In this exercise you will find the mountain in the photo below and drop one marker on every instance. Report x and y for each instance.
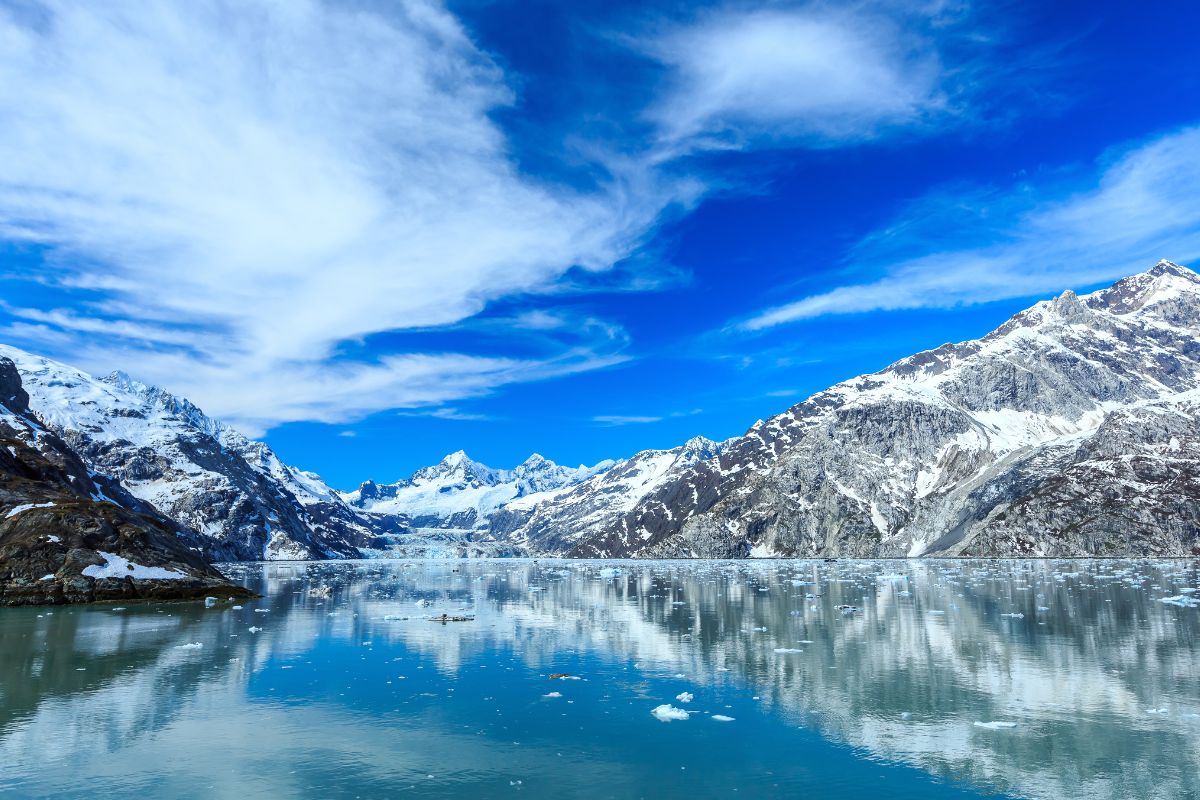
(1071, 430)
(241, 501)
(68, 534)
(462, 494)
(612, 511)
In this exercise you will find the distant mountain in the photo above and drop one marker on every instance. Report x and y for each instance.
(1071, 430)
(234, 493)
(68, 534)
(462, 494)
(615, 510)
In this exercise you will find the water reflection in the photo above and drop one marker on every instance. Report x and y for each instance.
(1039, 679)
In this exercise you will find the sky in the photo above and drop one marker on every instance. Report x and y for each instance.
(373, 233)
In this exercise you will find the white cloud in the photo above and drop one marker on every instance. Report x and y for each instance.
(811, 73)
(246, 189)
(1143, 204)
(618, 419)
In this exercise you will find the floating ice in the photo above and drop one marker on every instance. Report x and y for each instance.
(685, 697)
(192, 646)
(995, 726)
(669, 713)
(255, 630)
(721, 718)
(552, 694)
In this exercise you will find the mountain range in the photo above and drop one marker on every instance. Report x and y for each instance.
(1073, 429)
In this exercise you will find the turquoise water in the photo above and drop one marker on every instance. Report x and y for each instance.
(931, 689)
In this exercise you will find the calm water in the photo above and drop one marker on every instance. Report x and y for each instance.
(930, 690)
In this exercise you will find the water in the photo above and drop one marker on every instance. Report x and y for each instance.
(928, 691)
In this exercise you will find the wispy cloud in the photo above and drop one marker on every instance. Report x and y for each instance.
(448, 412)
(241, 189)
(621, 419)
(1140, 204)
(813, 73)
(618, 419)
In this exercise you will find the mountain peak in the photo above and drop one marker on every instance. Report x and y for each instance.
(456, 458)
(1165, 267)
(1165, 280)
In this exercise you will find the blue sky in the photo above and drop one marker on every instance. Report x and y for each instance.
(377, 232)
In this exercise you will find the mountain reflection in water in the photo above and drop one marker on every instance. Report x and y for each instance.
(946, 679)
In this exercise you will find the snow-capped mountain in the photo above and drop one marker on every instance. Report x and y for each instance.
(234, 492)
(68, 534)
(1072, 429)
(614, 505)
(461, 493)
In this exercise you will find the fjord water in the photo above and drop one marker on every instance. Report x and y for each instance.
(952, 679)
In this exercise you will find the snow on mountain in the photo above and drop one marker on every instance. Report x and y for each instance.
(234, 492)
(1045, 437)
(461, 493)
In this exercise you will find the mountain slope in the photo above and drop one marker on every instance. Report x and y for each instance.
(244, 503)
(68, 534)
(1069, 430)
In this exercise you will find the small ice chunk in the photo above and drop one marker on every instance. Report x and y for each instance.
(255, 630)
(788, 650)
(669, 713)
(552, 694)
(209, 602)
(721, 718)
(191, 646)
(995, 726)
(685, 697)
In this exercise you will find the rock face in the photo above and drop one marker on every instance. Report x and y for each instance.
(1071, 430)
(234, 493)
(70, 535)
